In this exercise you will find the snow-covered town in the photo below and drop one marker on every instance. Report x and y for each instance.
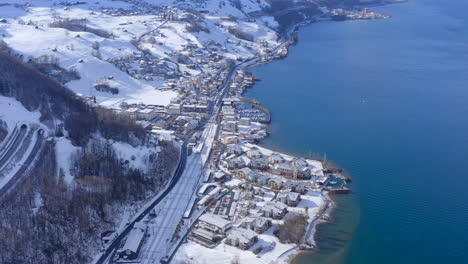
(178, 70)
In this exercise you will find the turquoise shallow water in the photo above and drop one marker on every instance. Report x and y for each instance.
(387, 100)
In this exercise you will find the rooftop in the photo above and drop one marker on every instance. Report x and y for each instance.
(215, 220)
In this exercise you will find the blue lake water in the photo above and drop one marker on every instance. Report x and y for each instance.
(386, 100)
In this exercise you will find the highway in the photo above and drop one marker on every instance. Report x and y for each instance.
(8, 140)
(11, 147)
(179, 192)
(177, 175)
(19, 175)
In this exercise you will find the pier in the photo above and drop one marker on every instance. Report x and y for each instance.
(255, 104)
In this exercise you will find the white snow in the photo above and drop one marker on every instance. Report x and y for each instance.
(222, 253)
(38, 202)
(316, 165)
(63, 151)
(138, 157)
(71, 49)
(13, 112)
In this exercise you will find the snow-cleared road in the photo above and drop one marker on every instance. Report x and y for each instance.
(24, 165)
(12, 145)
(170, 211)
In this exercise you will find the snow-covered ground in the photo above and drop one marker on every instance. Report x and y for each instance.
(27, 31)
(316, 165)
(64, 151)
(195, 253)
(70, 49)
(138, 157)
(13, 113)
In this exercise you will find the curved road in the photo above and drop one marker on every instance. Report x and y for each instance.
(124, 233)
(7, 140)
(12, 148)
(27, 163)
(216, 110)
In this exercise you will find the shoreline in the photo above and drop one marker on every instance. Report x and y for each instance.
(329, 205)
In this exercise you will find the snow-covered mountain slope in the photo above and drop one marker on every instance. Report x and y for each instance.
(129, 29)
(59, 153)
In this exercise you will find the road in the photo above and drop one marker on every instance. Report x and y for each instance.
(177, 175)
(172, 209)
(184, 170)
(7, 140)
(12, 146)
(19, 175)
(170, 212)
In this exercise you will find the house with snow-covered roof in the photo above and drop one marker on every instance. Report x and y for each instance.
(258, 224)
(244, 173)
(214, 223)
(289, 198)
(274, 209)
(241, 238)
(133, 243)
(259, 163)
(275, 158)
(254, 153)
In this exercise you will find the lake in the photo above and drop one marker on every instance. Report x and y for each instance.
(387, 101)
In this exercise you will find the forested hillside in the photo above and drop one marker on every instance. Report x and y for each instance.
(47, 220)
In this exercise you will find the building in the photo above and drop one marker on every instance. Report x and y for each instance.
(108, 236)
(244, 173)
(299, 187)
(259, 163)
(254, 153)
(234, 149)
(275, 210)
(146, 114)
(228, 111)
(195, 108)
(275, 158)
(275, 183)
(244, 121)
(214, 223)
(204, 237)
(299, 162)
(219, 176)
(289, 198)
(230, 140)
(132, 246)
(192, 124)
(173, 109)
(282, 169)
(263, 180)
(230, 126)
(257, 224)
(241, 238)
(235, 163)
(290, 170)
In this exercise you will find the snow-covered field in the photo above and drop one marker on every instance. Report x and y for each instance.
(13, 113)
(27, 31)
